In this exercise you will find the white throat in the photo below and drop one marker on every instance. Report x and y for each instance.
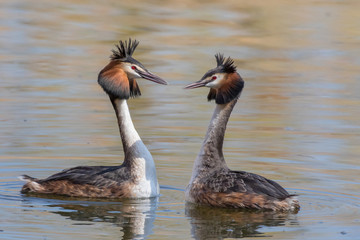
(128, 133)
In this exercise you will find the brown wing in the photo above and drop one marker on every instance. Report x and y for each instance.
(227, 181)
(93, 181)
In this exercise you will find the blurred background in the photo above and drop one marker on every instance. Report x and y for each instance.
(297, 121)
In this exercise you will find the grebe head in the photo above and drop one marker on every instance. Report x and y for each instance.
(224, 82)
(118, 78)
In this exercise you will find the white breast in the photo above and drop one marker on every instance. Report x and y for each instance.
(146, 181)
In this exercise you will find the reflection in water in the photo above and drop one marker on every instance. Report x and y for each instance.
(219, 223)
(134, 216)
(297, 122)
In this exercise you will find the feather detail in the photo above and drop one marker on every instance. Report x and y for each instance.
(134, 88)
(124, 50)
(212, 94)
(115, 82)
(226, 65)
(231, 89)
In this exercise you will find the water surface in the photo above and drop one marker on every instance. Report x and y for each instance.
(297, 121)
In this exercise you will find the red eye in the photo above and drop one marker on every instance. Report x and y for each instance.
(133, 67)
(214, 77)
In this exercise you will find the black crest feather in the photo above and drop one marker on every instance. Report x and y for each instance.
(227, 65)
(235, 84)
(124, 50)
(227, 94)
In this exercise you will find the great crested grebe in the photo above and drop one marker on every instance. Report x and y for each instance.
(136, 177)
(212, 182)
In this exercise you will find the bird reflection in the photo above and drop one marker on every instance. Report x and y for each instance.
(134, 216)
(219, 223)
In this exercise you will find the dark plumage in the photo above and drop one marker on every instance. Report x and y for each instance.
(223, 66)
(212, 182)
(85, 181)
(125, 51)
(228, 181)
(100, 176)
(136, 177)
(228, 91)
(227, 65)
(224, 82)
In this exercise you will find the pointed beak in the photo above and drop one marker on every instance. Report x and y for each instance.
(149, 76)
(197, 84)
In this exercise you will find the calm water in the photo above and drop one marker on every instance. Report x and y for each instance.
(297, 121)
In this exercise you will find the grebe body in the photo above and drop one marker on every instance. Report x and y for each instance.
(212, 182)
(136, 177)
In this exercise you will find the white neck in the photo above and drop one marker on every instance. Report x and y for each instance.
(128, 133)
(134, 147)
(211, 156)
(138, 159)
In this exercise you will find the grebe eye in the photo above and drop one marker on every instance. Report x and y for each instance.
(133, 67)
(214, 77)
